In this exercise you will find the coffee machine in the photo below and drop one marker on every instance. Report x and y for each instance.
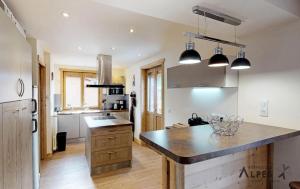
(121, 104)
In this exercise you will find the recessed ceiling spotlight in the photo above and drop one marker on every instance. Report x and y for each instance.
(131, 30)
(79, 48)
(139, 55)
(113, 48)
(65, 14)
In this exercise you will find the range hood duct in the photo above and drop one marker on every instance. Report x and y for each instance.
(104, 73)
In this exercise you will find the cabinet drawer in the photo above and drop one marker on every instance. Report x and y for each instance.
(118, 140)
(111, 156)
(111, 130)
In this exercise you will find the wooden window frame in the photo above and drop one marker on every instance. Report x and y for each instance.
(82, 74)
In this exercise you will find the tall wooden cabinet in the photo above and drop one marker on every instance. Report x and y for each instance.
(25, 143)
(15, 108)
(1, 149)
(11, 119)
(15, 63)
(17, 145)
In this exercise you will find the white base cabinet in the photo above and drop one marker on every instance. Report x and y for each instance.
(69, 123)
(75, 125)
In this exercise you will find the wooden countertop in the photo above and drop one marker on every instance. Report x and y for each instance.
(94, 124)
(199, 143)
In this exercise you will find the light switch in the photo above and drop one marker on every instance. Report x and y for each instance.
(264, 108)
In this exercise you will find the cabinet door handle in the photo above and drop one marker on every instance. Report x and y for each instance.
(23, 88)
(16, 111)
(19, 87)
(35, 126)
(111, 138)
(35, 106)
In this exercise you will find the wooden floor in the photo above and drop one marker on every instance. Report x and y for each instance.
(69, 170)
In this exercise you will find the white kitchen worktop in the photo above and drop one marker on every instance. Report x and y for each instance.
(92, 123)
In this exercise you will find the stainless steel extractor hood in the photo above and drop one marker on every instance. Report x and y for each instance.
(104, 73)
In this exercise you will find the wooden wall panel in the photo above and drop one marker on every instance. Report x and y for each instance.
(222, 172)
(1, 149)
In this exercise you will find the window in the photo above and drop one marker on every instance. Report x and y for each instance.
(75, 93)
(154, 90)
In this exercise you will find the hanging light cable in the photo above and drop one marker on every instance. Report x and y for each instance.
(241, 63)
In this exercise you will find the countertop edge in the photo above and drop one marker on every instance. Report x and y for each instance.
(92, 112)
(211, 155)
(117, 125)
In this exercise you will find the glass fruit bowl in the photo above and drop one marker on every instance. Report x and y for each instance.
(225, 125)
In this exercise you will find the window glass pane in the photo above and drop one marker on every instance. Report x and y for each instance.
(90, 94)
(159, 93)
(73, 91)
(150, 92)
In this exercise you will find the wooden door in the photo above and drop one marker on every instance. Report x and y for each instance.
(25, 144)
(12, 167)
(1, 149)
(154, 99)
(42, 111)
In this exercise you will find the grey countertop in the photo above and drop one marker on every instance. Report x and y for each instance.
(68, 112)
(199, 143)
(93, 124)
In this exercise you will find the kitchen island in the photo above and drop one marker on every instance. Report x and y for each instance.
(195, 157)
(108, 143)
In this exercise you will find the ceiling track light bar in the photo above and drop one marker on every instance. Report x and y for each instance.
(203, 11)
(207, 38)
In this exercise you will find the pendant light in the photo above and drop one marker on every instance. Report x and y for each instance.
(218, 60)
(190, 56)
(241, 62)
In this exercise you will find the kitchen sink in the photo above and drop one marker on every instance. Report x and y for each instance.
(103, 117)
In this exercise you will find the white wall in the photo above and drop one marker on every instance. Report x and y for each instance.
(181, 103)
(275, 76)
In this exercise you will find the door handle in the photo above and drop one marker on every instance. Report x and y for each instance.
(35, 126)
(35, 106)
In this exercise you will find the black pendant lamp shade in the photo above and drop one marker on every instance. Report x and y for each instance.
(190, 56)
(218, 60)
(241, 62)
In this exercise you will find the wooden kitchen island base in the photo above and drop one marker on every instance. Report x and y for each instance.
(108, 144)
(98, 170)
(197, 158)
(248, 169)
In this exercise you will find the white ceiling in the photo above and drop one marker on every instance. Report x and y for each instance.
(98, 25)
(255, 14)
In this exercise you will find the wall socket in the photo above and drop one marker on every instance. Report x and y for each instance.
(264, 108)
